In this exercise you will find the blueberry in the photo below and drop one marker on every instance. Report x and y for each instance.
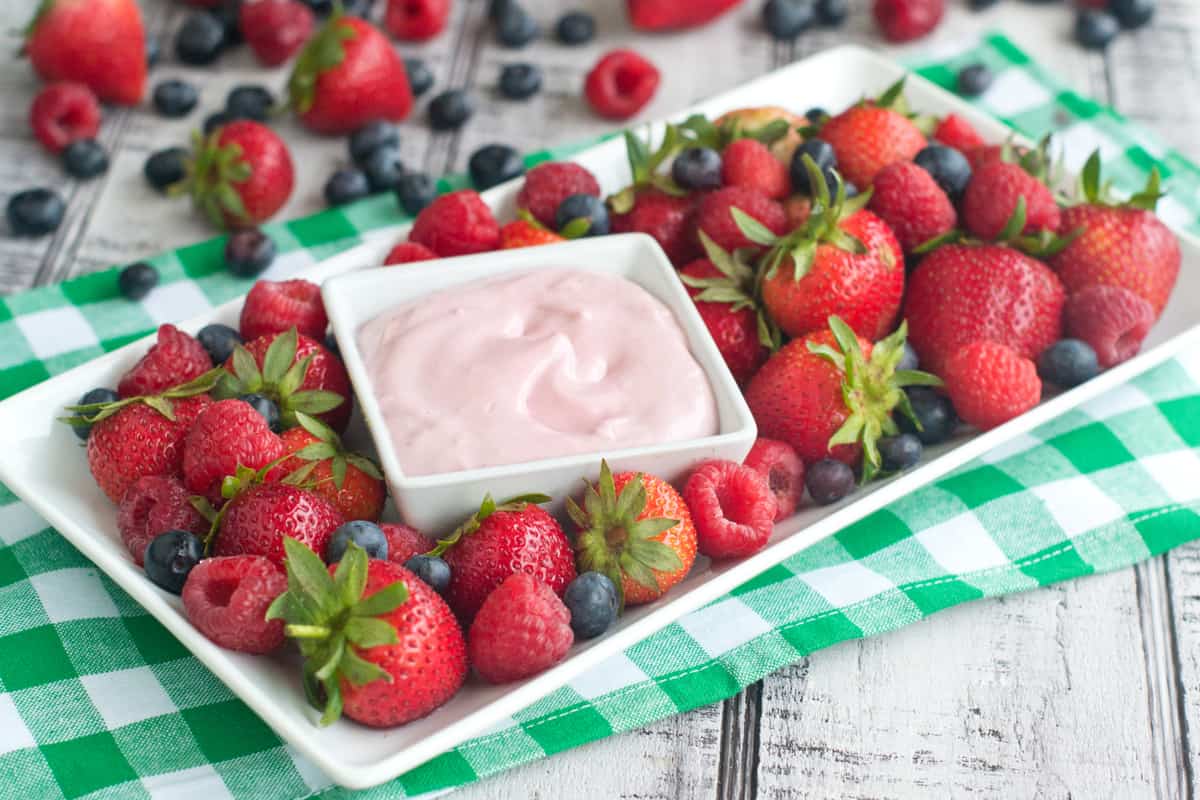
(787, 19)
(383, 169)
(420, 76)
(169, 558)
(1132, 13)
(828, 481)
(265, 406)
(216, 120)
(494, 164)
(90, 397)
(498, 7)
(165, 167)
(592, 600)
(582, 206)
(520, 81)
(322, 8)
(450, 109)
(850, 189)
(136, 280)
(415, 191)
(431, 569)
(357, 8)
(219, 340)
(816, 115)
(1068, 363)
(697, 168)
(900, 452)
(979, 5)
(575, 27)
(367, 535)
(345, 186)
(248, 252)
(84, 158)
(832, 13)
(516, 27)
(229, 15)
(974, 80)
(371, 137)
(949, 168)
(175, 98)
(823, 154)
(250, 101)
(34, 212)
(1095, 29)
(200, 39)
(152, 50)
(909, 359)
(935, 413)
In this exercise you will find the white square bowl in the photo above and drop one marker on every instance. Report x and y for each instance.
(439, 502)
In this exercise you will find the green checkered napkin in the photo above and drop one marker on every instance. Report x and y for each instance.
(98, 700)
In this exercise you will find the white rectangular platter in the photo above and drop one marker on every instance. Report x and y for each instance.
(40, 460)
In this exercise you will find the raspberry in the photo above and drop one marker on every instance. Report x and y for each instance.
(714, 215)
(991, 199)
(620, 84)
(954, 131)
(986, 155)
(275, 29)
(666, 218)
(783, 470)
(227, 599)
(274, 307)
(990, 384)
(905, 20)
(404, 542)
(547, 185)
(733, 508)
(174, 359)
(521, 629)
(408, 252)
(155, 504)
(226, 435)
(910, 201)
(416, 20)
(456, 224)
(747, 162)
(1112, 319)
(63, 113)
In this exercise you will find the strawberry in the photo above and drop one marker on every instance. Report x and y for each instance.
(258, 518)
(869, 136)
(99, 43)
(661, 15)
(275, 29)
(407, 253)
(758, 119)
(1111, 319)
(905, 20)
(733, 508)
(227, 599)
(714, 215)
(620, 84)
(240, 174)
(155, 504)
(175, 358)
(1120, 244)
(831, 394)
(350, 481)
(63, 113)
(998, 194)
(910, 201)
(954, 131)
(961, 293)
(521, 629)
(984, 155)
(296, 372)
(456, 224)
(226, 435)
(523, 233)
(516, 535)
(275, 306)
(548, 184)
(637, 530)
(667, 218)
(797, 208)
(750, 163)
(990, 384)
(348, 75)
(416, 20)
(404, 542)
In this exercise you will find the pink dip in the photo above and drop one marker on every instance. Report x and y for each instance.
(533, 365)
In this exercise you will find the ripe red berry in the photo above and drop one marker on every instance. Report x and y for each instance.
(992, 196)
(779, 464)
(521, 629)
(174, 359)
(547, 185)
(408, 252)
(226, 435)
(227, 599)
(714, 215)
(62, 113)
(275, 29)
(990, 384)
(620, 84)
(416, 20)
(1112, 319)
(667, 218)
(733, 508)
(456, 224)
(155, 504)
(905, 20)
(404, 542)
(954, 131)
(273, 307)
(911, 202)
(750, 163)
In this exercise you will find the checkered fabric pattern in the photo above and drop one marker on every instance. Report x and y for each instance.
(97, 700)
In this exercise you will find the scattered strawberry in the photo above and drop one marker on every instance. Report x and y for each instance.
(226, 435)
(666, 218)
(416, 20)
(152, 505)
(990, 384)
(750, 163)
(258, 519)
(548, 184)
(521, 629)
(350, 481)
(275, 29)
(99, 43)
(992, 198)
(869, 136)
(62, 113)
(645, 542)
(523, 233)
(275, 306)
(456, 224)
(910, 201)
(955, 131)
(1111, 319)
(620, 84)
(782, 469)
(404, 542)
(407, 253)
(662, 15)
(905, 20)
(733, 508)
(240, 174)
(175, 358)
(227, 599)
(714, 215)
(722, 288)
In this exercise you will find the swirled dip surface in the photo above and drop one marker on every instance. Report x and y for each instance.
(533, 365)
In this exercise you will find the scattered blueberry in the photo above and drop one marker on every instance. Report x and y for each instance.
(175, 98)
(431, 569)
(494, 164)
(816, 115)
(219, 340)
(371, 137)
(266, 407)
(909, 359)
(832, 13)
(520, 81)
(216, 120)
(823, 154)
(250, 101)
(136, 280)
(200, 39)
(949, 168)
(828, 481)
(248, 252)
(1132, 13)
(165, 167)
(575, 27)
(787, 19)
(383, 169)
(1068, 363)
(974, 80)
(592, 600)
(152, 50)
(34, 212)
(345, 186)
(450, 109)
(90, 397)
(697, 168)
(420, 76)
(1094, 29)
(516, 27)
(84, 158)
(367, 535)
(582, 206)
(169, 558)
(900, 452)
(415, 191)
(935, 413)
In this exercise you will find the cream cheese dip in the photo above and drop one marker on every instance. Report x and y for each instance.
(533, 365)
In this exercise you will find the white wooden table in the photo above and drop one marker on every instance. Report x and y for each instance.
(1086, 689)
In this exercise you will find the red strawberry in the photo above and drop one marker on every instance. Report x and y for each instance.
(523, 233)
(226, 435)
(1112, 320)
(960, 294)
(99, 43)
(869, 136)
(521, 629)
(240, 174)
(620, 84)
(905, 20)
(408, 252)
(227, 599)
(733, 508)
(753, 119)
(456, 224)
(659, 15)
(261, 516)
(275, 29)
(416, 20)
(782, 469)
(548, 184)
(797, 208)
(275, 306)
(404, 542)
(750, 163)
(62, 113)
(714, 215)
(730, 313)
(156, 504)
(348, 75)
(990, 384)
(668, 219)
(350, 481)
(175, 358)
(515, 536)
(954, 131)
(992, 197)
(911, 202)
